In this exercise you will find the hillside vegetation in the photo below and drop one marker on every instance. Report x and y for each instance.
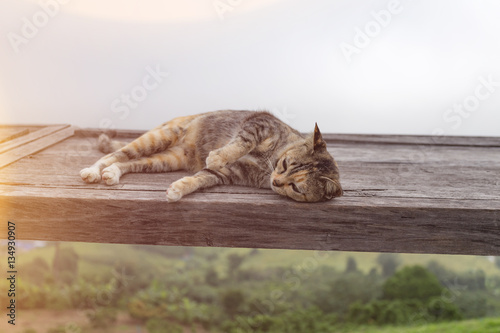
(255, 290)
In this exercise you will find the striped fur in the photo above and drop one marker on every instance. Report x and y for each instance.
(225, 147)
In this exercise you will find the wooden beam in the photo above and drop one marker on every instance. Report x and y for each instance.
(16, 149)
(254, 221)
(399, 197)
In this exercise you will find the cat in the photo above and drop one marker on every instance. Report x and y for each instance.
(250, 148)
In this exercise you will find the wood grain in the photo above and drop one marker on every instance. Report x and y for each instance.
(7, 134)
(16, 149)
(250, 220)
(423, 140)
(401, 195)
(33, 136)
(426, 140)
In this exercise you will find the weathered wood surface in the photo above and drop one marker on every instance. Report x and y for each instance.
(416, 195)
(7, 134)
(24, 145)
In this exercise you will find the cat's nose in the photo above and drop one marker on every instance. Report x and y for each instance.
(277, 183)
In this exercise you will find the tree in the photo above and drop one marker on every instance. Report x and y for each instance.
(441, 310)
(444, 275)
(234, 262)
(211, 277)
(411, 295)
(351, 266)
(412, 283)
(389, 263)
(65, 264)
(345, 290)
(232, 300)
(37, 271)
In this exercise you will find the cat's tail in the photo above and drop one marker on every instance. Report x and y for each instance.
(106, 145)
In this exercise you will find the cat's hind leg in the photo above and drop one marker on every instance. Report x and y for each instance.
(172, 159)
(147, 144)
(202, 179)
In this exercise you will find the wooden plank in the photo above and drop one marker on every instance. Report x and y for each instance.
(399, 197)
(424, 140)
(7, 134)
(432, 184)
(366, 170)
(362, 152)
(24, 147)
(6, 146)
(361, 174)
(207, 219)
(120, 133)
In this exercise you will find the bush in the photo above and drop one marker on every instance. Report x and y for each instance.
(58, 329)
(414, 282)
(360, 313)
(29, 330)
(36, 269)
(102, 317)
(441, 310)
(203, 294)
(43, 297)
(473, 304)
(310, 320)
(65, 264)
(234, 263)
(156, 325)
(344, 291)
(211, 277)
(232, 300)
(403, 312)
(399, 312)
(157, 302)
(69, 328)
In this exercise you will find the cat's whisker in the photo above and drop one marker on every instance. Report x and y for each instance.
(336, 186)
(324, 177)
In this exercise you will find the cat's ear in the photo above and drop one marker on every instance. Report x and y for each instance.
(318, 143)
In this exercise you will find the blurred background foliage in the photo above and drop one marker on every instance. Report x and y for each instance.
(183, 289)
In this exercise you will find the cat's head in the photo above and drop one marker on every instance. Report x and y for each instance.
(307, 172)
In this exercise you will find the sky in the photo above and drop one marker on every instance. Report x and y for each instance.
(383, 67)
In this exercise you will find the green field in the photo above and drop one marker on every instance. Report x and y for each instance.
(488, 325)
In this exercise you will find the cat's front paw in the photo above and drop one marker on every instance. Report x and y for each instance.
(215, 161)
(90, 175)
(173, 193)
(111, 175)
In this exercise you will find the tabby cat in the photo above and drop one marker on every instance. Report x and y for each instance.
(225, 147)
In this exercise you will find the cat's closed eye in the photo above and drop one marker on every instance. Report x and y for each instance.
(295, 188)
